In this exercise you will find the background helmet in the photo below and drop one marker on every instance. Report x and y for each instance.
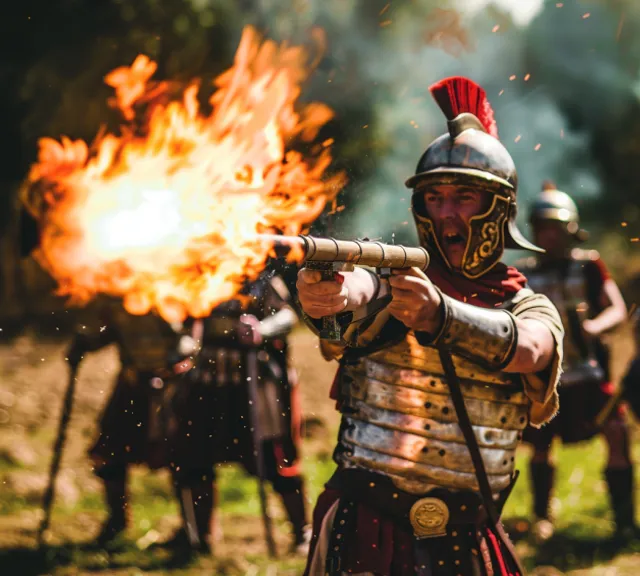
(554, 205)
(470, 154)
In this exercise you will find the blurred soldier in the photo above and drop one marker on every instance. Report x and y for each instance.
(590, 303)
(136, 422)
(630, 387)
(243, 339)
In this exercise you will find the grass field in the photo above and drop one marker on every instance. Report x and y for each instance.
(32, 380)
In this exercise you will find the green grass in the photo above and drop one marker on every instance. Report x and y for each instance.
(584, 523)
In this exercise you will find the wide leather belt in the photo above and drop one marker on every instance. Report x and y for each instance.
(426, 516)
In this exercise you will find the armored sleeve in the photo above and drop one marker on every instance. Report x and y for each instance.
(541, 387)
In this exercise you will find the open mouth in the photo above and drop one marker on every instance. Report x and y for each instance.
(454, 239)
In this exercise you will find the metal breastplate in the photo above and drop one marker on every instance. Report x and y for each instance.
(568, 292)
(147, 342)
(399, 420)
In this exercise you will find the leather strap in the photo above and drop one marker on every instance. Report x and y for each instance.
(474, 450)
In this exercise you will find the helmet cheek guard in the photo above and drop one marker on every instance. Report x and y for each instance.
(470, 154)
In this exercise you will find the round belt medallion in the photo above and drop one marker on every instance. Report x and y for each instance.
(429, 517)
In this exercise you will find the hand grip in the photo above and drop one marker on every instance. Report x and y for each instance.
(330, 331)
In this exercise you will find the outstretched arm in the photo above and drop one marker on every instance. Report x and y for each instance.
(613, 315)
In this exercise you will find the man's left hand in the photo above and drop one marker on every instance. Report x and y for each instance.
(416, 302)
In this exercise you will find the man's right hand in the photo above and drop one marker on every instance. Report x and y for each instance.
(320, 298)
(347, 292)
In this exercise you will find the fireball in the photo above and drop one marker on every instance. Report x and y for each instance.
(166, 213)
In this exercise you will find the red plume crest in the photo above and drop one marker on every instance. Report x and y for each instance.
(458, 94)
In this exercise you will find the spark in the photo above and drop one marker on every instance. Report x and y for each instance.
(527, 76)
(385, 23)
(537, 147)
(496, 28)
(586, 15)
(384, 9)
(518, 137)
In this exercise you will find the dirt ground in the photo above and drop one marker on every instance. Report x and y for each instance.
(33, 376)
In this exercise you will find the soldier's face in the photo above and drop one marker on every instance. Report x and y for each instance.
(450, 209)
(552, 236)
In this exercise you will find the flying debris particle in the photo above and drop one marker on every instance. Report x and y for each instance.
(635, 239)
(586, 15)
(327, 142)
(623, 224)
(512, 77)
(518, 137)
(365, 126)
(526, 77)
(501, 93)
(384, 9)
(537, 147)
(495, 28)
(619, 30)
(385, 23)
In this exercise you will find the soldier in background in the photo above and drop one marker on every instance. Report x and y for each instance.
(590, 303)
(242, 338)
(137, 422)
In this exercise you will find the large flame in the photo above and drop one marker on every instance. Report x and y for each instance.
(165, 214)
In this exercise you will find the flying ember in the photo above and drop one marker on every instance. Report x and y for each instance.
(165, 214)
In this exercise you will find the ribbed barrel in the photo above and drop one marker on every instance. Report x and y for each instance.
(365, 253)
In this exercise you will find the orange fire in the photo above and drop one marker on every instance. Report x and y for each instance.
(165, 214)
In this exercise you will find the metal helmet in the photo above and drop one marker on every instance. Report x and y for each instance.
(470, 154)
(553, 204)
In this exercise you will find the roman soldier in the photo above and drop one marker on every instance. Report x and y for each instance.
(242, 406)
(436, 387)
(137, 422)
(590, 304)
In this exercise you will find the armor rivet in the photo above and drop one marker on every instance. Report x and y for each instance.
(454, 533)
(425, 450)
(427, 404)
(445, 410)
(339, 536)
(503, 420)
(433, 382)
(457, 562)
(456, 548)
(336, 548)
(395, 495)
(504, 462)
(427, 426)
(441, 452)
(372, 484)
(342, 522)
(345, 511)
(522, 420)
(512, 459)
(441, 562)
(463, 507)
